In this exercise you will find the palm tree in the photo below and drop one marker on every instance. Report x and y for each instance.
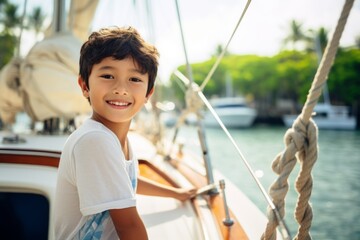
(296, 34)
(10, 20)
(2, 4)
(36, 20)
(218, 51)
(357, 41)
(317, 40)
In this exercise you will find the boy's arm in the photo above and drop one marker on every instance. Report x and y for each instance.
(152, 188)
(128, 224)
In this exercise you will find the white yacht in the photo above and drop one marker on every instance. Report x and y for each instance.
(328, 116)
(233, 111)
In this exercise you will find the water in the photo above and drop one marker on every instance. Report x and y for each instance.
(335, 197)
(336, 175)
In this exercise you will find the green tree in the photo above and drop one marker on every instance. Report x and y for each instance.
(344, 78)
(254, 78)
(295, 72)
(317, 41)
(9, 20)
(7, 47)
(219, 49)
(200, 71)
(287, 75)
(296, 35)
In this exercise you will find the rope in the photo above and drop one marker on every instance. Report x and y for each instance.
(219, 58)
(301, 145)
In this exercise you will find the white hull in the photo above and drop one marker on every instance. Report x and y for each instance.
(233, 112)
(328, 117)
(232, 117)
(326, 123)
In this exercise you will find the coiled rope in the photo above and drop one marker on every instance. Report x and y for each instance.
(301, 145)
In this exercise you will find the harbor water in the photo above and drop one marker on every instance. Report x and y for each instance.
(335, 198)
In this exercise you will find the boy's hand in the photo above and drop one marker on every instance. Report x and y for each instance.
(152, 188)
(183, 194)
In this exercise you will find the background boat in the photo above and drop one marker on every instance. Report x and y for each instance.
(234, 113)
(328, 116)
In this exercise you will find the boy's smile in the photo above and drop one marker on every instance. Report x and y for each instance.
(117, 90)
(119, 103)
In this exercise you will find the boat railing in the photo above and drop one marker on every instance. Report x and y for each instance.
(195, 100)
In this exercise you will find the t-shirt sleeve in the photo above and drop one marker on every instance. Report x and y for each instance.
(101, 177)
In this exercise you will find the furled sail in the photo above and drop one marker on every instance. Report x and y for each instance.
(49, 79)
(10, 96)
(44, 83)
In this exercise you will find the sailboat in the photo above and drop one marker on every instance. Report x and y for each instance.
(29, 161)
(327, 115)
(234, 112)
(28, 169)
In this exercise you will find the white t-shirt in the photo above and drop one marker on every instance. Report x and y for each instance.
(93, 177)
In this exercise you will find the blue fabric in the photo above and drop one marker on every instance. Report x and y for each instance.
(94, 227)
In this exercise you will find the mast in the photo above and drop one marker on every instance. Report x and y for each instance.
(59, 16)
(319, 53)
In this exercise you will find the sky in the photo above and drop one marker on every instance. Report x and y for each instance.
(208, 23)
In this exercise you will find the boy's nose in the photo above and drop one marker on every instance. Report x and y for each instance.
(120, 91)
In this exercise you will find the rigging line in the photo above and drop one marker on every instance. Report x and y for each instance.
(150, 19)
(319, 54)
(188, 67)
(21, 28)
(326, 63)
(219, 58)
(284, 229)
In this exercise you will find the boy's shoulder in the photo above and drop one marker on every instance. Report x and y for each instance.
(91, 129)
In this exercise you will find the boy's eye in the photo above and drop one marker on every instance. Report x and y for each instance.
(107, 76)
(135, 79)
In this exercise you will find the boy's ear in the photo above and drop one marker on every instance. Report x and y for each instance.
(149, 94)
(83, 87)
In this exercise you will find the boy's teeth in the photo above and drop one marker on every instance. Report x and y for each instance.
(118, 103)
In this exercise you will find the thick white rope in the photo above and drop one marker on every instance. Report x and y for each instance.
(301, 144)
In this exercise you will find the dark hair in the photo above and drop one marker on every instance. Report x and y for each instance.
(118, 43)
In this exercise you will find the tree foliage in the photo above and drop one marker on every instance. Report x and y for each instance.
(9, 19)
(344, 78)
(10, 24)
(287, 75)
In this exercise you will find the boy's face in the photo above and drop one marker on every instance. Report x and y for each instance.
(117, 90)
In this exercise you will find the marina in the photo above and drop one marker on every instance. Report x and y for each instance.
(336, 191)
(243, 175)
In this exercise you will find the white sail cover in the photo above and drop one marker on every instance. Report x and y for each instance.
(10, 97)
(44, 84)
(81, 15)
(49, 79)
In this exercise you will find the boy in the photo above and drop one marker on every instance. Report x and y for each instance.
(97, 177)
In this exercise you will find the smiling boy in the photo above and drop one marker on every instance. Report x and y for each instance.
(98, 172)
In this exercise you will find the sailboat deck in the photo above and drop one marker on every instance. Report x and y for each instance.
(167, 218)
(164, 218)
